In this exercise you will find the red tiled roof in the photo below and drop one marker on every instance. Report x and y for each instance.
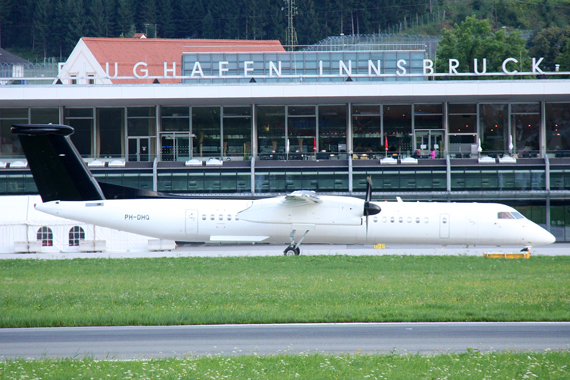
(155, 51)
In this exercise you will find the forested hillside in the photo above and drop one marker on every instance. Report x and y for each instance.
(51, 28)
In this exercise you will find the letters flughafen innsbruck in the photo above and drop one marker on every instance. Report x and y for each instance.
(274, 69)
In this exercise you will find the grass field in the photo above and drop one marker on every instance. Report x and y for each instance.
(163, 291)
(472, 365)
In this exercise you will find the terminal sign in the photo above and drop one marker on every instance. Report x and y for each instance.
(345, 68)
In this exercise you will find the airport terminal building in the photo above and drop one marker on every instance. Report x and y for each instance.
(247, 118)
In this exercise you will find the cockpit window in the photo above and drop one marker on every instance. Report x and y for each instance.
(505, 215)
(510, 215)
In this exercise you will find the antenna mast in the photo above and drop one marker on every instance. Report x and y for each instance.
(291, 33)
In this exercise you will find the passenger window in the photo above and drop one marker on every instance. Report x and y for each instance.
(229, 217)
(221, 217)
(426, 219)
(203, 216)
(417, 219)
(375, 219)
(212, 217)
(392, 219)
(409, 220)
(444, 220)
(384, 219)
(401, 220)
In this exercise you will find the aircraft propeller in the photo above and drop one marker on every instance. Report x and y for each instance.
(369, 208)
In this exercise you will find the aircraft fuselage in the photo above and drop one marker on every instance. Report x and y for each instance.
(206, 220)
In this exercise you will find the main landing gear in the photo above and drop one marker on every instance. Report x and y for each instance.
(293, 249)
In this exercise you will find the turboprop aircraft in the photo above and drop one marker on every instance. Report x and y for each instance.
(69, 190)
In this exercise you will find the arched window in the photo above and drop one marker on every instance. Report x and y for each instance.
(45, 235)
(75, 235)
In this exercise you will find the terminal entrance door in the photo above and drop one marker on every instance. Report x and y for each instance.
(175, 146)
(139, 149)
(428, 139)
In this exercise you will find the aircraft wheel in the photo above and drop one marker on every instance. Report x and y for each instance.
(290, 251)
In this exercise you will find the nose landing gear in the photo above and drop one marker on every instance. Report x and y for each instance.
(290, 251)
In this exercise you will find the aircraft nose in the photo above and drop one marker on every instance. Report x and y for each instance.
(544, 237)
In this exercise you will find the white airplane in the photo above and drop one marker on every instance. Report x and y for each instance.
(69, 190)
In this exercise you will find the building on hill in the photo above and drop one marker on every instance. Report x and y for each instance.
(247, 118)
(11, 66)
(131, 60)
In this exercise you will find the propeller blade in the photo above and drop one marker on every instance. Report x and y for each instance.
(369, 208)
(368, 189)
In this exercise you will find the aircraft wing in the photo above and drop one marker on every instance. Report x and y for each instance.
(305, 207)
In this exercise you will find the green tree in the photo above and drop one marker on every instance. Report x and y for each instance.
(110, 18)
(549, 43)
(97, 20)
(189, 18)
(474, 39)
(59, 29)
(125, 16)
(6, 9)
(209, 30)
(145, 16)
(307, 25)
(75, 24)
(41, 24)
(564, 58)
(165, 20)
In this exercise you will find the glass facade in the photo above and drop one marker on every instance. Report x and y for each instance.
(308, 66)
(206, 122)
(367, 130)
(236, 134)
(494, 128)
(525, 129)
(9, 144)
(284, 133)
(397, 128)
(301, 132)
(332, 131)
(558, 129)
(82, 120)
(462, 130)
(110, 131)
(271, 123)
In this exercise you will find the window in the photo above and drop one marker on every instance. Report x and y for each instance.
(525, 128)
(82, 120)
(332, 130)
(271, 131)
(366, 129)
(76, 234)
(45, 235)
(505, 215)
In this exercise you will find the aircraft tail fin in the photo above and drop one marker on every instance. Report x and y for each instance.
(57, 167)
